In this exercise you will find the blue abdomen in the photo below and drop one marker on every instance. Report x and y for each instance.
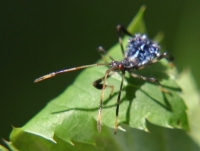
(141, 50)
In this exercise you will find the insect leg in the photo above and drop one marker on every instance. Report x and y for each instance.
(121, 29)
(104, 52)
(102, 87)
(50, 75)
(118, 102)
(149, 79)
(152, 79)
(166, 55)
(97, 84)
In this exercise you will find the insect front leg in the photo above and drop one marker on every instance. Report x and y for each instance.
(118, 102)
(98, 84)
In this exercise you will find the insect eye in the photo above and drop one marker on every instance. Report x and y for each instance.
(120, 66)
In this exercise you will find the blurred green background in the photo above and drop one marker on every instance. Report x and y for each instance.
(38, 37)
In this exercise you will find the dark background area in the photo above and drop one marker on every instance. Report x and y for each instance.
(40, 37)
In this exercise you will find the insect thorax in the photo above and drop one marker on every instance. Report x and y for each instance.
(141, 50)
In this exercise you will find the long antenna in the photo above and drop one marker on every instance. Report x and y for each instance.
(50, 75)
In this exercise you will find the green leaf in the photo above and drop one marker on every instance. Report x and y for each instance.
(191, 96)
(70, 119)
(2, 148)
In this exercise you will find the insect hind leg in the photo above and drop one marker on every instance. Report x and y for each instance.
(166, 55)
(149, 79)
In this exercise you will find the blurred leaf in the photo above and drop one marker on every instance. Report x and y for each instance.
(70, 118)
(192, 99)
(2, 148)
(10, 145)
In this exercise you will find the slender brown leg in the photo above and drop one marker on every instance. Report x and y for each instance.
(152, 79)
(121, 29)
(166, 55)
(98, 84)
(118, 102)
(50, 75)
(149, 79)
(104, 52)
(102, 87)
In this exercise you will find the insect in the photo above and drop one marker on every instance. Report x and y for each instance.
(140, 52)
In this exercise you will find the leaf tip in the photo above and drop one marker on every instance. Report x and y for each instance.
(121, 128)
(143, 7)
(13, 127)
(71, 143)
